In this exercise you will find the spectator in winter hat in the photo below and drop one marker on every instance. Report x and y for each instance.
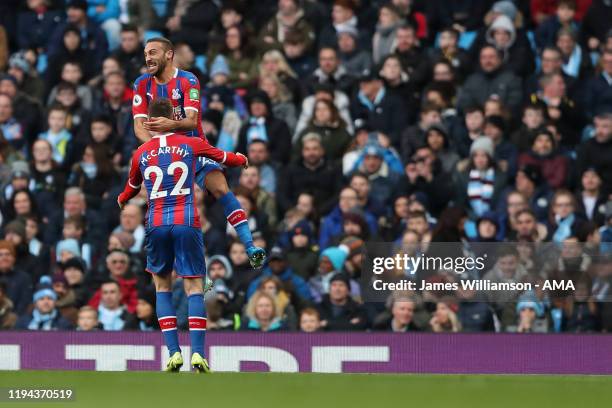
(383, 111)
(479, 186)
(45, 315)
(263, 125)
(331, 263)
(146, 319)
(74, 272)
(514, 46)
(67, 249)
(352, 55)
(339, 312)
(302, 253)
(530, 315)
(530, 184)
(543, 154)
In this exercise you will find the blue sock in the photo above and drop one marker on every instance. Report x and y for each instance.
(166, 315)
(197, 323)
(237, 218)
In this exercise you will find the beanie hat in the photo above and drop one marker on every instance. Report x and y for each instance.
(18, 60)
(352, 245)
(373, 149)
(70, 245)
(336, 256)
(277, 253)
(489, 216)
(76, 263)
(506, 7)
(529, 300)
(148, 295)
(483, 143)
(16, 227)
(302, 227)
(342, 277)
(20, 169)
(80, 4)
(59, 278)
(347, 29)
(221, 94)
(44, 289)
(219, 67)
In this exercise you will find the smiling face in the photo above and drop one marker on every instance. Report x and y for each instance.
(403, 311)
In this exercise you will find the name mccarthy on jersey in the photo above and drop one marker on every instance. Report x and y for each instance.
(179, 150)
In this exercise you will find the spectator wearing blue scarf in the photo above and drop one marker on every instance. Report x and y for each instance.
(262, 125)
(45, 315)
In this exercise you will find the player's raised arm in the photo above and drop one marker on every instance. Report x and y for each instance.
(203, 148)
(140, 107)
(134, 181)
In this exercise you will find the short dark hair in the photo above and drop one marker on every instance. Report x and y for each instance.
(66, 86)
(359, 174)
(473, 108)
(56, 107)
(163, 40)
(451, 30)
(129, 27)
(571, 4)
(161, 107)
(110, 281)
(417, 214)
(103, 118)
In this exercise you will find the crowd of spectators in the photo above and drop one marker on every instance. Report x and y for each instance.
(411, 122)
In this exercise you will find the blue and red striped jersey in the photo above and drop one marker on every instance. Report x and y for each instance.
(183, 90)
(167, 166)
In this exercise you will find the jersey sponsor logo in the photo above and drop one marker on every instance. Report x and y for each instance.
(176, 94)
(137, 100)
(194, 94)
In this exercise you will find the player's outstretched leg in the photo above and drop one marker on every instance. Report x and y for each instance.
(197, 324)
(166, 315)
(217, 184)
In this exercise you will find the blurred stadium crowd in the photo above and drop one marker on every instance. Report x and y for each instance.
(404, 121)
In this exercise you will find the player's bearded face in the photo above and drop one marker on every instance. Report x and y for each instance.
(156, 61)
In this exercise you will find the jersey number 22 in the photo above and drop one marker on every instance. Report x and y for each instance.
(159, 175)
